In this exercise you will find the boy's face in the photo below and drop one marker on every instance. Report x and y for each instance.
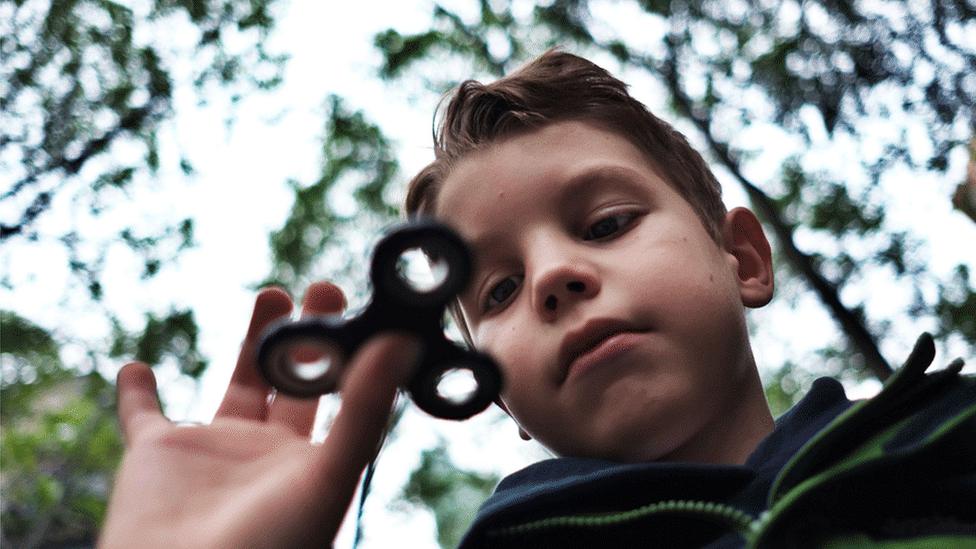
(617, 320)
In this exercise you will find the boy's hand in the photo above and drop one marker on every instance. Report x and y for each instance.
(251, 478)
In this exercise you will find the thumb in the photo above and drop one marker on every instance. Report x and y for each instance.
(368, 390)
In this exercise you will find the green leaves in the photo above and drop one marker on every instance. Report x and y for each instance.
(60, 445)
(451, 494)
(351, 194)
(58, 464)
(173, 336)
(400, 51)
(83, 90)
(30, 357)
(956, 306)
(884, 89)
(830, 207)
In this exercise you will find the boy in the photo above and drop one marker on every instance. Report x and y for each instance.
(610, 285)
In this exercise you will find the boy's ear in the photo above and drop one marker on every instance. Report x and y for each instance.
(522, 434)
(743, 238)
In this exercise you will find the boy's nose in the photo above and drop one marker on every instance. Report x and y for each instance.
(575, 286)
(561, 288)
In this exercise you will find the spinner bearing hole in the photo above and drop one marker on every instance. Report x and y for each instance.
(457, 385)
(310, 361)
(420, 272)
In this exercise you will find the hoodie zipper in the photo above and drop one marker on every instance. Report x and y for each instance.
(781, 497)
(743, 523)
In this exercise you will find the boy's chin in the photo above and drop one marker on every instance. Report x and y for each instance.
(616, 449)
(632, 438)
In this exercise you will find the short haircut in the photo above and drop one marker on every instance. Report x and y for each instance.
(555, 87)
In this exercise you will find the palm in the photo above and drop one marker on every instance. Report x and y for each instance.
(223, 480)
(251, 478)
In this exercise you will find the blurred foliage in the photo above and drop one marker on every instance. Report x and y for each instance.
(31, 361)
(86, 82)
(783, 389)
(173, 336)
(957, 304)
(891, 81)
(59, 446)
(451, 494)
(86, 89)
(964, 199)
(351, 198)
(87, 86)
(889, 85)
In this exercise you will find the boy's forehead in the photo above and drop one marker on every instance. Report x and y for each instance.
(549, 166)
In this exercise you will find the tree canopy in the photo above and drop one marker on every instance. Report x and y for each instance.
(865, 103)
(847, 126)
(86, 89)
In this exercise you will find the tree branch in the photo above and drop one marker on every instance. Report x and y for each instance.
(40, 203)
(852, 325)
(133, 120)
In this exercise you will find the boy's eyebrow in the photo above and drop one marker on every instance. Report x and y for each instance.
(580, 182)
(569, 191)
(479, 244)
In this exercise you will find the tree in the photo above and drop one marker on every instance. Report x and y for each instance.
(321, 238)
(59, 447)
(86, 88)
(890, 82)
(451, 493)
(820, 78)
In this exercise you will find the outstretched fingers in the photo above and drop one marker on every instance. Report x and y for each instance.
(298, 414)
(138, 402)
(247, 393)
(368, 390)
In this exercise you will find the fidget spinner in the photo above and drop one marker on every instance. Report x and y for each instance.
(306, 358)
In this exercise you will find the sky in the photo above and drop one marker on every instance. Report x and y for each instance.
(276, 138)
(238, 195)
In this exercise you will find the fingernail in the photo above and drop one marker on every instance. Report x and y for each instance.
(323, 296)
(270, 303)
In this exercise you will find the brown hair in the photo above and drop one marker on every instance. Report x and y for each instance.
(559, 86)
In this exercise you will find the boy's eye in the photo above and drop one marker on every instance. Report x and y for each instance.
(500, 292)
(608, 226)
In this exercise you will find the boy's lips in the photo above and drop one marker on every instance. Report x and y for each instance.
(594, 342)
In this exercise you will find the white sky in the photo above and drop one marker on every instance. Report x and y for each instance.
(238, 196)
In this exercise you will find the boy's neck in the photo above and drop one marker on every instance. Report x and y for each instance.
(735, 432)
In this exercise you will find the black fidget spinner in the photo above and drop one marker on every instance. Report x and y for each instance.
(306, 358)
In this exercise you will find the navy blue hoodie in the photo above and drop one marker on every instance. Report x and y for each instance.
(595, 503)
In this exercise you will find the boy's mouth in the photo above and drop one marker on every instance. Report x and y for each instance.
(579, 345)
